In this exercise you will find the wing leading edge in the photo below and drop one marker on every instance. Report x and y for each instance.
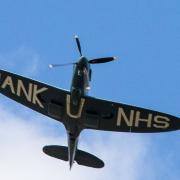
(110, 116)
(38, 96)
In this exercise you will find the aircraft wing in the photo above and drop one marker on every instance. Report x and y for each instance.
(110, 116)
(38, 96)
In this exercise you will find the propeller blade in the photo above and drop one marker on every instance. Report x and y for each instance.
(101, 60)
(58, 65)
(78, 44)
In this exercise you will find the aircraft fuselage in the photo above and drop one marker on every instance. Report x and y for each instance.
(79, 88)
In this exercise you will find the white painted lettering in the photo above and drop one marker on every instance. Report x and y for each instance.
(31, 92)
(122, 115)
(68, 109)
(161, 122)
(21, 88)
(36, 91)
(138, 119)
(8, 82)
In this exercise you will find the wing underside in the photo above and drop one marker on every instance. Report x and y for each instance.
(110, 116)
(38, 96)
(93, 113)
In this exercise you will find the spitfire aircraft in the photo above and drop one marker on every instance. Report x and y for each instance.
(78, 111)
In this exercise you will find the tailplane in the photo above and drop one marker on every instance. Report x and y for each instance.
(82, 158)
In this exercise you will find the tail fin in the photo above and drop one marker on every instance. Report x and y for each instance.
(82, 158)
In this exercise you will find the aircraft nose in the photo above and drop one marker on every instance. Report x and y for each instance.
(82, 59)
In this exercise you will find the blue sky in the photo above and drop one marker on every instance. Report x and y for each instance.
(144, 35)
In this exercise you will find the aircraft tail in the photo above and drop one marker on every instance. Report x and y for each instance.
(82, 158)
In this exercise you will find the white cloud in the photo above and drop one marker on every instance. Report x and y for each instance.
(126, 156)
(23, 60)
(21, 154)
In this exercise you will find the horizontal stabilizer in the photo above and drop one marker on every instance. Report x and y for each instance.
(86, 159)
(59, 152)
(82, 158)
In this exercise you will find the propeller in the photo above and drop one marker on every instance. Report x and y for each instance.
(102, 60)
(78, 44)
(92, 61)
(58, 65)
